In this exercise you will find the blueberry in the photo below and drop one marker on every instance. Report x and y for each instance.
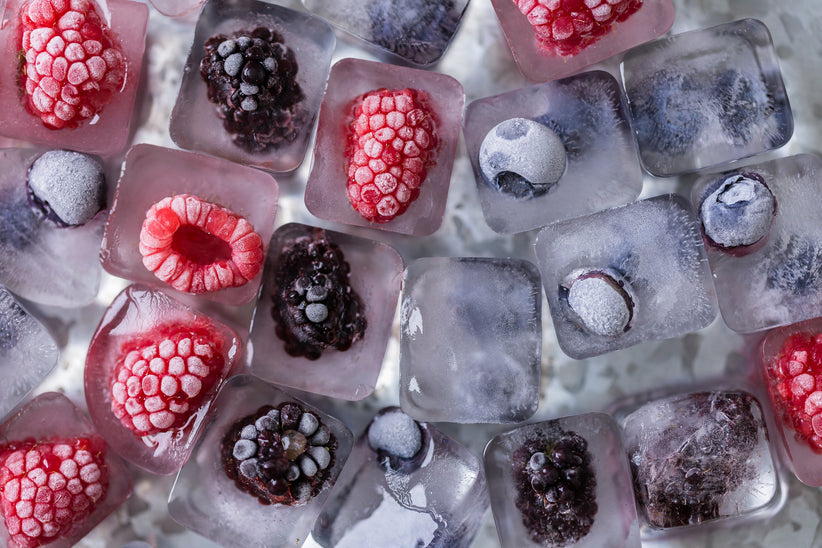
(18, 223)
(742, 104)
(601, 301)
(796, 267)
(737, 211)
(395, 433)
(69, 186)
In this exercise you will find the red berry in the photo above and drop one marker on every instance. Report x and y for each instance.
(73, 67)
(162, 377)
(566, 27)
(392, 140)
(46, 488)
(196, 246)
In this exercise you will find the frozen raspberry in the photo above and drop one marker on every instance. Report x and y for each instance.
(47, 488)
(392, 140)
(73, 66)
(196, 246)
(566, 27)
(252, 78)
(280, 455)
(161, 378)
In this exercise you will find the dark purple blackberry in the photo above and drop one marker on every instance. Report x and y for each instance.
(556, 486)
(280, 455)
(252, 78)
(315, 307)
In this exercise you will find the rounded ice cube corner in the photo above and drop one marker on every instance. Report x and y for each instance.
(385, 147)
(72, 95)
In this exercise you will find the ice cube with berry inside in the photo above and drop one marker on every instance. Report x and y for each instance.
(706, 97)
(51, 224)
(190, 223)
(81, 63)
(626, 275)
(252, 84)
(323, 317)
(58, 478)
(552, 151)
(404, 484)
(553, 39)
(563, 482)
(385, 146)
(262, 470)
(415, 32)
(764, 241)
(470, 340)
(152, 371)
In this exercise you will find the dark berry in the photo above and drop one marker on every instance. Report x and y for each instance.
(397, 439)
(742, 104)
(601, 300)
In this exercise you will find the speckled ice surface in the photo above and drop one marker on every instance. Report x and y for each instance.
(480, 60)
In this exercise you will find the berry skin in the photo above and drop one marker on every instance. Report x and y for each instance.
(73, 66)
(566, 27)
(162, 377)
(197, 246)
(47, 488)
(392, 140)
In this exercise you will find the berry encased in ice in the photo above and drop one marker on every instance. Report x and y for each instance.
(392, 141)
(796, 266)
(602, 301)
(252, 78)
(69, 187)
(19, 221)
(314, 305)
(556, 486)
(280, 455)
(742, 104)
(397, 439)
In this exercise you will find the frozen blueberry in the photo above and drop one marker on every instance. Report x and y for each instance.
(742, 104)
(522, 158)
(601, 300)
(738, 211)
(395, 433)
(796, 266)
(69, 186)
(19, 222)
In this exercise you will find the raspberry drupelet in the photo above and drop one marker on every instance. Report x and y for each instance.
(73, 65)
(392, 141)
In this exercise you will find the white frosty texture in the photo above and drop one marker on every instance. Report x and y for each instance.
(395, 433)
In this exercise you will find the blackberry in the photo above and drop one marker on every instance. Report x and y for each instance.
(252, 78)
(315, 307)
(556, 486)
(797, 267)
(742, 103)
(280, 455)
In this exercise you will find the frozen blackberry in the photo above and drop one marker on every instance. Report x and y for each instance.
(795, 267)
(556, 486)
(315, 307)
(252, 78)
(397, 439)
(280, 455)
(601, 300)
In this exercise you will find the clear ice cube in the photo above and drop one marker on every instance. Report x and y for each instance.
(647, 255)
(588, 115)
(176, 8)
(470, 340)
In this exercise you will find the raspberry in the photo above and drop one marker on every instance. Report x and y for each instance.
(73, 66)
(46, 488)
(161, 378)
(392, 140)
(566, 27)
(196, 246)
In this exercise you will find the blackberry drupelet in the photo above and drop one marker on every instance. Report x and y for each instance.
(315, 307)
(252, 78)
(557, 486)
(280, 455)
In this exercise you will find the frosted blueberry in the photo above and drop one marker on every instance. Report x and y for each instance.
(739, 211)
(395, 433)
(522, 158)
(69, 186)
(601, 302)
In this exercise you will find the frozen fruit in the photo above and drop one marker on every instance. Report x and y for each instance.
(556, 486)
(742, 102)
(252, 78)
(73, 65)
(392, 141)
(70, 187)
(566, 27)
(522, 158)
(397, 439)
(315, 307)
(47, 487)
(163, 376)
(280, 455)
(796, 266)
(197, 246)
(602, 301)
(18, 221)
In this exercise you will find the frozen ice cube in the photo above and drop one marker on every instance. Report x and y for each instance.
(177, 8)
(600, 167)
(435, 496)
(470, 340)
(649, 253)
(706, 97)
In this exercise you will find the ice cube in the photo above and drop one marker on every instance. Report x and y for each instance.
(405, 484)
(177, 8)
(600, 167)
(470, 340)
(346, 359)
(644, 260)
(706, 97)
